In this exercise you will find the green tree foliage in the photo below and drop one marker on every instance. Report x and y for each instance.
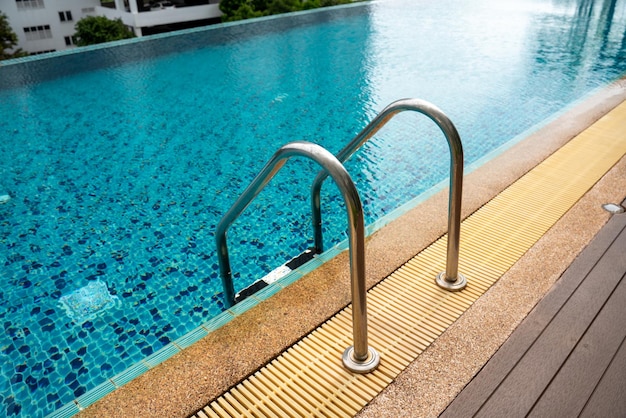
(238, 10)
(8, 40)
(98, 29)
(245, 9)
(230, 7)
(276, 7)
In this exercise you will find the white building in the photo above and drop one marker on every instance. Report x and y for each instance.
(48, 25)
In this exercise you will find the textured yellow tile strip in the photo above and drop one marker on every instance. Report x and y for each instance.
(407, 311)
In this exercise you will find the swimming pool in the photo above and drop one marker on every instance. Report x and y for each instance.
(118, 173)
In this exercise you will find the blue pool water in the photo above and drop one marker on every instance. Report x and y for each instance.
(120, 161)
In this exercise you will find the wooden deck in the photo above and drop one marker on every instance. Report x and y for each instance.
(568, 357)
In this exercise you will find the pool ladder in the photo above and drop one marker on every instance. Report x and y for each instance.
(358, 358)
(450, 279)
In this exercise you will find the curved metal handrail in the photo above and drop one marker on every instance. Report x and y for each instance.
(358, 358)
(450, 279)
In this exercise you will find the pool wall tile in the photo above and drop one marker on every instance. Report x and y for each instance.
(129, 374)
(132, 334)
(65, 411)
(218, 321)
(243, 306)
(404, 208)
(288, 279)
(191, 337)
(95, 394)
(161, 355)
(267, 292)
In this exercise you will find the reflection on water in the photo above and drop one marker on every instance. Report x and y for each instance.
(589, 36)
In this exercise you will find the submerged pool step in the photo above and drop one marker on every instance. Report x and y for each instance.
(407, 310)
(275, 274)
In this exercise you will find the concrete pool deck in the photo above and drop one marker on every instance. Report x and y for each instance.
(189, 380)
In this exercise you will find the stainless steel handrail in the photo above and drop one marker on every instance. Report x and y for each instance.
(358, 358)
(450, 279)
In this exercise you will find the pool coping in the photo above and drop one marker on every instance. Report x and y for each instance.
(280, 321)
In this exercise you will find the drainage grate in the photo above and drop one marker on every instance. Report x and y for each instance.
(85, 303)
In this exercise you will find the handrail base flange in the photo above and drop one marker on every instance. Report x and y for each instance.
(455, 286)
(361, 367)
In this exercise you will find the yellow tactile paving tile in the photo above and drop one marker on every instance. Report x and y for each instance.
(407, 311)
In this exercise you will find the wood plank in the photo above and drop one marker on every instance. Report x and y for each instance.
(570, 389)
(608, 399)
(526, 382)
(481, 388)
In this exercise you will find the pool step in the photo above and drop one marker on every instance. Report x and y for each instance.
(275, 274)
